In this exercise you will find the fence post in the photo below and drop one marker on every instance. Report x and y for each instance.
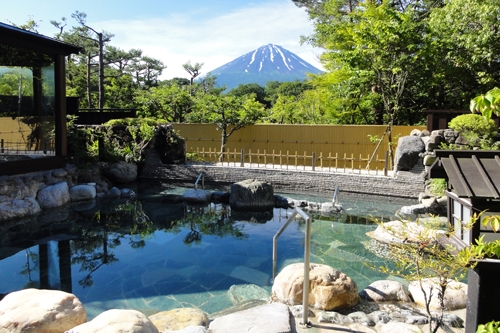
(313, 160)
(185, 152)
(242, 158)
(386, 161)
(2, 145)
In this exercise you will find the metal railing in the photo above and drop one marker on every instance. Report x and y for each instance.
(201, 177)
(307, 254)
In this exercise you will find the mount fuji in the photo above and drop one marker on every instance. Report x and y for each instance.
(267, 63)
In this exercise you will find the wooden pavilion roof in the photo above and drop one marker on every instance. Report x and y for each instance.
(470, 173)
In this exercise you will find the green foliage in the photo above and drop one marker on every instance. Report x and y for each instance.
(118, 140)
(491, 327)
(478, 131)
(193, 157)
(227, 113)
(437, 186)
(420, 256)
(79, 139)
(487, 104)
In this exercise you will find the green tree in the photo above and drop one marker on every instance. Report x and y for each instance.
(248, 89)
(228, 113)
(193, 71)
(171, 103)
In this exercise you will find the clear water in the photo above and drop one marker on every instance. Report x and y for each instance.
(153, 255)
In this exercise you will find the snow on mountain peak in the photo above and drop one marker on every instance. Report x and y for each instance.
(268, 62)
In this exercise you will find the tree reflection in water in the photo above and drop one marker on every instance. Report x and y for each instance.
(213, 220)
(106, 231)
(111, 225)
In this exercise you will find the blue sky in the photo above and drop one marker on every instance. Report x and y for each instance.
(212, 32)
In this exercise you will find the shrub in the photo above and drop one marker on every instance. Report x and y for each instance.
(437, 186)
(478, 131)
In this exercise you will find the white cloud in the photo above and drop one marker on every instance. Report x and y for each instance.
(216, 40)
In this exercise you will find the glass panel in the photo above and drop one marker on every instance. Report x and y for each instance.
(27, 104)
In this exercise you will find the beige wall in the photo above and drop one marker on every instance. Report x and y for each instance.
(320, 139)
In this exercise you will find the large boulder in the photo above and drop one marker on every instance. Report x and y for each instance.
(18, 187)
(18, 208)
(267, 318)
(40, 311)
(53, 195)
(196, 196)
(385, 291)
(251, 194)
(455, 296)
(82, 192)
(122, 172)
(330, 289)
(407, 152)
(177, 319)
(405, 232)
(117, 321)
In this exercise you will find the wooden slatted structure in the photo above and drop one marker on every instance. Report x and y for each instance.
(473, 180)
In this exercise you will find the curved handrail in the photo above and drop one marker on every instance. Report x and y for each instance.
(202, 177)
(307, 253)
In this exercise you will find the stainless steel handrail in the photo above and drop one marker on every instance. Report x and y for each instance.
(307, 254)
(202, 177)
(335, 199)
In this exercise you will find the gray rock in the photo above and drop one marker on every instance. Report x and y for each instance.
(18, 208)
(415, 132)
(451, 319)
(334, 318)
(53, 195)
(268, 318)
(450, 136)
(60, 173)
(407, 152)
(251, 194)
(192, 329)
(127, 193)
(362, 318)
(425, 133)
(298, 310)
(385, 291)
(380, 317)
(242, 293)
(416, 320)
(437, 139)
(394, 326)
(122, 172)
(455, 296)
(82, 192)
(114, 192)
(196, 196)
(413, 210)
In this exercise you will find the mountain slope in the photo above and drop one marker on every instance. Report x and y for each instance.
(267, 63)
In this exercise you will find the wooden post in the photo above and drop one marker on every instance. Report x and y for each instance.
(242, 158)
(2, 146)
(313, 157)
(385, 162)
